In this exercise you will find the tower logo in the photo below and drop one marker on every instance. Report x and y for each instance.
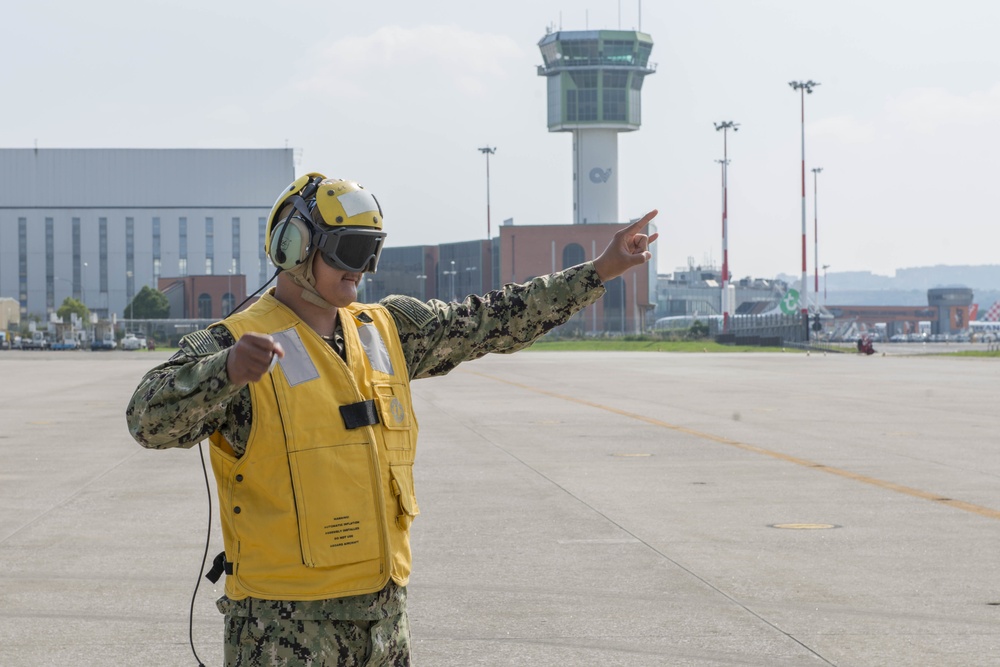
(598, 175)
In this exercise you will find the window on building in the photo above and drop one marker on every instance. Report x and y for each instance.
(572, 255)
(129, 258)
(182, 238)
(50, 266)
(261, 256)
(102, 224)
(209, 245)
(581, 104)
(635, 102)
(235, 253)
(77, 259)
(615, 84)
(22, 263)
(618, 52)
(204, 306)
(156, 238)
(580, 52)
(645, 49)
(614, 305)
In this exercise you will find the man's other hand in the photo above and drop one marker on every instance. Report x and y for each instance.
(250, 358)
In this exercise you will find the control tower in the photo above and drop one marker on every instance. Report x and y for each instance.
(594, 83)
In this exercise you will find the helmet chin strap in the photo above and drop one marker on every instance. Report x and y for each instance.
(303, 276)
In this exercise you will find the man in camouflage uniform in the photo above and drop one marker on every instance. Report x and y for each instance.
(210, 389)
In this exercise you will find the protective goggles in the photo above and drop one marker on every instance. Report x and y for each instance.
(350, 248)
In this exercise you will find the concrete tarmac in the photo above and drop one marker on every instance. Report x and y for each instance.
(576, 509)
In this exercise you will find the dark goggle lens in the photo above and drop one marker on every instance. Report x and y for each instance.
(353, 251)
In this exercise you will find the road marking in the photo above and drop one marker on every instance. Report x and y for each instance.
(981, 510)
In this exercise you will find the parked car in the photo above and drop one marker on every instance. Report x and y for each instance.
(104, 344)
(133, 342)
(36, 342)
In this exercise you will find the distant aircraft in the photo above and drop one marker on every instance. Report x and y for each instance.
(992, 315)
(985, 327)
(683, 321)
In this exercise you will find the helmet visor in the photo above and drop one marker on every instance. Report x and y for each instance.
(351, 248)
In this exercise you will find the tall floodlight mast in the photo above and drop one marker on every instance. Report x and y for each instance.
(488, 151)
(594, 80)
(804, 87)
(816, 171)
(725, 126)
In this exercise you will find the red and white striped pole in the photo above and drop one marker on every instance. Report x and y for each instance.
(804, 87)
(816, 171)
(725, 126)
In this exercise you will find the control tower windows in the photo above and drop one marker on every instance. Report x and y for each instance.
(619, 52)
(580, 52)
(615, 83)
(581, 104)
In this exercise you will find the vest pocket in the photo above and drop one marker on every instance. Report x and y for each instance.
(402, 488)
(396, 415)
(336, 501)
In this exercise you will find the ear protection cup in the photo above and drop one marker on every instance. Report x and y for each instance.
(288, 234)
(290, 242)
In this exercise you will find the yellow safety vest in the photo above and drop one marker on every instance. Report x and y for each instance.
(315, 509)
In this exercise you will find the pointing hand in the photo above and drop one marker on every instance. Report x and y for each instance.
(628, 248)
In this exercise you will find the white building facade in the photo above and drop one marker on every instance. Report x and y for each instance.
(99, 224)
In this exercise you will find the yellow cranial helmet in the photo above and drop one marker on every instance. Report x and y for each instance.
(347, 204)
(339, 218)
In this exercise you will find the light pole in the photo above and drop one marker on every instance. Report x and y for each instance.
(452, 274)
(128, 281)
(229, 292)
(725, 251)
(725, 126)
(469, 270)
(83, 287)
(804, 87)
(816, 171)
(423, 286)
(487, 151)
(825, 267)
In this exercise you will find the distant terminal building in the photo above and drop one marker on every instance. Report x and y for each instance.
(98, 224)
(449, 271)
(694, 291)
(594, 80)
(947, 313)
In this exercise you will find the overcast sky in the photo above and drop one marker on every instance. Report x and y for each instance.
(399, 95)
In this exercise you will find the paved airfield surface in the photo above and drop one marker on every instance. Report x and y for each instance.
(577, 509)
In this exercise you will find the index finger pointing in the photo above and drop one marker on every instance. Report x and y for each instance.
(641, 222)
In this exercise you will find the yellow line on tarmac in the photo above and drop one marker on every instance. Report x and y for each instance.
(987, 512)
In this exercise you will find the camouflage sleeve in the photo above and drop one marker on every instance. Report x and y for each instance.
(184, 400)
(437, 336)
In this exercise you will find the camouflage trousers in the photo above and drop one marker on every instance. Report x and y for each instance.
(276, 642)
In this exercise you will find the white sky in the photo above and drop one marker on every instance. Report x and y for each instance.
(400, 94)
